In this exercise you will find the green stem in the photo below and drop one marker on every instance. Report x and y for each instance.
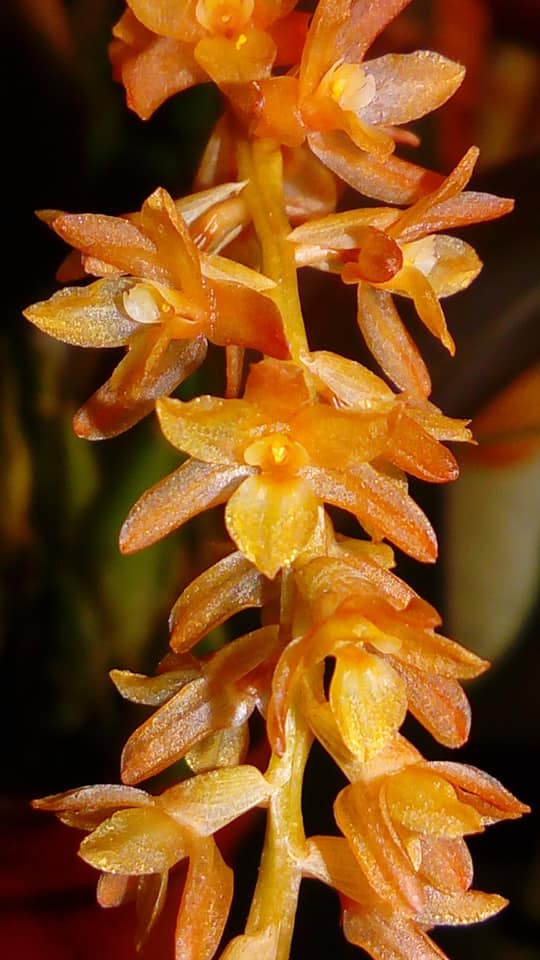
(260, 163)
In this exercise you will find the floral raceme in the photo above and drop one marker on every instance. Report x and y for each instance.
(304, 451)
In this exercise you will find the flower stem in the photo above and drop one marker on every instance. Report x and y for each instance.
(260, 163)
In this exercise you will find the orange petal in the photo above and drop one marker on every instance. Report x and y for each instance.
(344, 437)
(231, 585)
(91, 316)
(482, 791)
(151, 897)
(153, 691)
(413, 283)
(409, 85)
(412, 449)
(246, 318)
(384, 861)
(438, 703)
(368, 701)
(169, 18)
(452, 264)
(330, 860)
(271, 520)
(117, 241)
(387, 934)
(194, 487)
(393, 180)
(225, 748)
(211, 429)
(135, 842)
(469, 906)
(151, 369)
(459, 211)
(196, 711)
(423, 802)
(86, 807)
(381, 505)
(451, 186)
(446, 863)
(245, 59)
(209, 801)
(389, 341)
(205, 903)
(114, 889)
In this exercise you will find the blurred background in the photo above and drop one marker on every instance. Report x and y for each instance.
(71, 608)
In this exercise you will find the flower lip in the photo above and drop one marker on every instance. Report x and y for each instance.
(276, 452)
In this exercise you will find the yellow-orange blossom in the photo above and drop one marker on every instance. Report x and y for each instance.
(344, 648)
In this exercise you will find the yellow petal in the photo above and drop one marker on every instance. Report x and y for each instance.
(153, 691)
(330, 860)
(170, 18)
(135, 842)
(426, 803)
(225, 748)
(469, 906)
(245, 59)
(271, 520)
(91, 316)
(453, 263)
(151, 897)
(387, 934)
(438, 703)
(353, 384)
(341, 438)
(209, 801)
(211, 429)
(205, 903)
(368, 701)
(389, 341)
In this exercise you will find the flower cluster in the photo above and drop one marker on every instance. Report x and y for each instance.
(344, 649)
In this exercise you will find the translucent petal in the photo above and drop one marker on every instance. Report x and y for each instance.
(446, 863)
(376, 847)
(412, 282)
(381, 505)
(469, 906)
(387, 934)
(389, 341)
(438, 703)
(176, 251)
(340, 231)
(271, 520)
(412, 449)
(243, 60)
(212, 429)
(247, 318)
(330, 860)
(455, 265)
(209, 801)
(153, 691)
(135, 842)
(150, 902)
(426, 803)
(407, 86)
(393, 180)
(205, 904)
(194, 487)
(231, 585)
(353, 384)
(196, 711)
(344, 437)
(460, 211)
(481, 790)
(117, 241)
(151, 369)
(86, 807)
(91, 316)
(451, 186)
(368, 701)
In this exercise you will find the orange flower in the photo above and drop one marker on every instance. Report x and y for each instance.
(348, 108)
(164, 47)
(159, 296)
(138, 836)
(276, 456)
(387, 251)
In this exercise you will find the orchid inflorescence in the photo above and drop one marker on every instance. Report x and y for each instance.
(344, 648)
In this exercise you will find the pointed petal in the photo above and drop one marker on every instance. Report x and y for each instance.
(205, 903)
(382, 507)
(85, 807)
(452, 264)
(412, 449)
(135, 842)
(453, 909)
(211, 429)
(368, 701)
(388, 935)
(271, 520)
(460, 211)
(425, 803)
(383, 860)
(451, 186)
(118, 242)
(91, 316)
(414, 283)
(330, 860)
(196, 711)
(194, 487)
(446, 863)
(438, 703)
(209, 801)
(344, 437)
(176, 252)
(389, 341)
(149, 371)
(153, 691)
(231, 585)
(482, 790)
(393, 180)
(409, 85)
